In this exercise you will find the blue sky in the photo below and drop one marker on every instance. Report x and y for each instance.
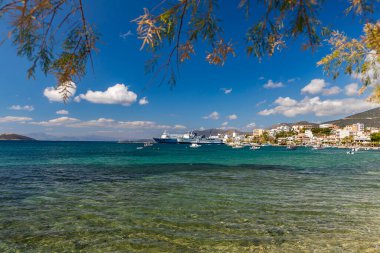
(260, 94)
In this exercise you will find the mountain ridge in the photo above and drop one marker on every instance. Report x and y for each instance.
(15, 137)
(370, 118)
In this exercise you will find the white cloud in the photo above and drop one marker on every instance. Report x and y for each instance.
(213, 116)
(232, 117)
(291, 80)
(28, 108)
(127, 34)
(273, 85)
(8, 119)
(225, 123)
(101, 122)
(261, 103)
(117, 94)
(319, 86)
(56, 122)
(291, 108)
(226, 91)
(261, 78)
(373, 71)
(62, 112)
(97, 123)
(142, 124)
(179, 127)
(250, 125)
(143, 101)
(315, 86)
(351, 89)
(331, 91)
(285, 101)
(55, 94)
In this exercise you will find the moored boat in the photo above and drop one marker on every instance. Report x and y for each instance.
(166, 138)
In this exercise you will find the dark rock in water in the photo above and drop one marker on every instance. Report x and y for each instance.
(14, 137)
(276, 232)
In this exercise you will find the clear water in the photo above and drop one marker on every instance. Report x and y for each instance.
(109, 197)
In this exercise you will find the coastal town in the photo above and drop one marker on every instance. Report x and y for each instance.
(292, 135)
(310, 134)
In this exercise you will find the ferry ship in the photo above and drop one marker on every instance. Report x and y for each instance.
(166, 138)
(188, 138)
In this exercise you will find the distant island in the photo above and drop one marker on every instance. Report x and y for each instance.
(14, 137)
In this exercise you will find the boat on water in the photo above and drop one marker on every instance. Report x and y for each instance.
(208, 140)
(139, 148)
(195, 145)
(166, 138)
(148, 144)
(351, 152)
(254, 147)
(317, 147)
(237, 146)
(188, 138)
(291, 147)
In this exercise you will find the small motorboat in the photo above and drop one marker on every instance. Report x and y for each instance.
(291, 147)
(195, 145)
(139, 148)
(317, 147)
(351, 152)
(254, 147)
(237, 146)
(148, 144)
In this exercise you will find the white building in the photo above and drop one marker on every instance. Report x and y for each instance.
(341, 133)
(326, 126)
(283, 128)
(309, 133)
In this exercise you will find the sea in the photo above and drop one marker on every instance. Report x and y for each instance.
(112, 197)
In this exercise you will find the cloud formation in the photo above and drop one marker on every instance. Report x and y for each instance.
(225, 123)
(315, 86)
(143, 101)
(319, 86)
(117, 94)
(273, 85)
(213, 116)
(55, 94)
(105, 123)
(8, 119)
(372, 74)
(351, 89)
(127, 34)
(62, 112)
(28, 108)
(291, 107)
(261, 102)
(226, 91)
(101, 122)
(250, 125)
(331, 91)
(56, 122)
(232, 117)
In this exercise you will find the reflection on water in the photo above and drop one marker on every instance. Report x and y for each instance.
(61, 198)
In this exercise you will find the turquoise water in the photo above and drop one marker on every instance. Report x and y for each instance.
(109, 197)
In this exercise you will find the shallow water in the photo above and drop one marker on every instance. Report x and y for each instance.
(109, 197)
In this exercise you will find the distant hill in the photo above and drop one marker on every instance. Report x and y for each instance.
(14, 137)
(216, 131)
(293, 124)
(370, 118)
